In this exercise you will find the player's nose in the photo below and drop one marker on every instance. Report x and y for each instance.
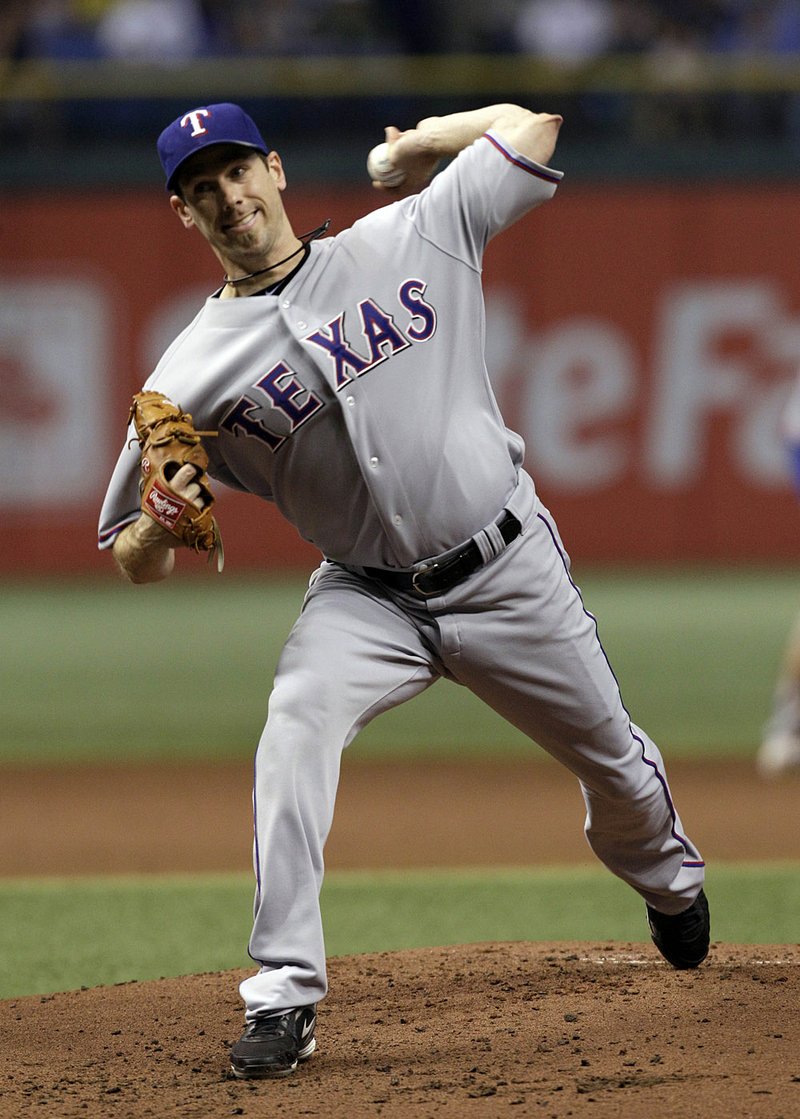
(230, 195)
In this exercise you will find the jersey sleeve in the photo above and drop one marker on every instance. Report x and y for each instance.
(122, 504)
(483, 191)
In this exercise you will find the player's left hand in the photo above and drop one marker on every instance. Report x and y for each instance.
(185, 484)
(174, 484)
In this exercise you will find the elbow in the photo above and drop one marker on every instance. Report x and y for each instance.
(139, 578)
(129, 574)
(141, 573)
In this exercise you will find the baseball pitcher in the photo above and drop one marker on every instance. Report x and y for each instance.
(343, 378)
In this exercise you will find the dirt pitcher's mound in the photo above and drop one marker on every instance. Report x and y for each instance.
(516, 1029)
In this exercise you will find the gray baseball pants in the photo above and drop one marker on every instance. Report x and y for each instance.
(517, 634)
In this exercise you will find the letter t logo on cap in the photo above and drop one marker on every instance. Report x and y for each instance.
(193, 118)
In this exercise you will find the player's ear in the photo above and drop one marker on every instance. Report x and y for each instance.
(275, 168)
(182, 210)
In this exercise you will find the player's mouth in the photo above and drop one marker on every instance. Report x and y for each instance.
(242, 224)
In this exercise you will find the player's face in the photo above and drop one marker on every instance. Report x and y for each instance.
(232, 195)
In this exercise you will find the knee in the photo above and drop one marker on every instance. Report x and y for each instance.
(300, 734)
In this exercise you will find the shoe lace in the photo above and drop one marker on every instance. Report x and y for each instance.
(269, 1025)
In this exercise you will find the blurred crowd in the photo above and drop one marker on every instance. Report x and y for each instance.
(564, 30)
(672, 37)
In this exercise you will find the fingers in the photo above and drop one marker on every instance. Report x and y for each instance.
(408, 150)
(184, 485)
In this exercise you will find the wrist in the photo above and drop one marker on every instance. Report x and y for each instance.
(149, 534)
(144, 551)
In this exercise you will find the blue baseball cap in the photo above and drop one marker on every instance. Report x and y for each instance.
(199, 128)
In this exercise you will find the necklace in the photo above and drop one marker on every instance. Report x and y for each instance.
(304, 238)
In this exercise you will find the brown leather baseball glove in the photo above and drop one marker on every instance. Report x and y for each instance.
(168, 441)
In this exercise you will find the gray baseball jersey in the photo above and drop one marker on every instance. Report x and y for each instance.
(359, 402)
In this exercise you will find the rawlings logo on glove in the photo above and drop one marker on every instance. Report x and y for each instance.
(168, 441)
(163, 508)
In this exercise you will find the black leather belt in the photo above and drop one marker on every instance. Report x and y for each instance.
(438, 577)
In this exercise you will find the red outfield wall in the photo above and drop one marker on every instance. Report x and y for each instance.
(641, 340)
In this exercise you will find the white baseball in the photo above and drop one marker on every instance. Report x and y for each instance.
(381, 169)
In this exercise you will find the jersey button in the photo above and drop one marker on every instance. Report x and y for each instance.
(373, 461)
(398, 520)
(302, 325)
(350, 400)
(286, 303)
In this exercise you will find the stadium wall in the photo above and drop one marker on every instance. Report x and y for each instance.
(641, 338)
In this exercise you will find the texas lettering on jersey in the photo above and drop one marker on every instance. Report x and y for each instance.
(283, 389)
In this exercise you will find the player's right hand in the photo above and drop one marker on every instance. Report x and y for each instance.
(409, 151)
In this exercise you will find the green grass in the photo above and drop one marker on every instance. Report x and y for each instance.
(104, 670)
(85, 675)
(63, 934)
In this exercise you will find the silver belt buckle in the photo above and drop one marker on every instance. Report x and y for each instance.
(418, 574)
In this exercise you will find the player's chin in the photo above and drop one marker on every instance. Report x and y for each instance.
(239, 242)
(250, 250)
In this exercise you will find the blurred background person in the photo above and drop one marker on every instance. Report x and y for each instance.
(779, 752)
(152, 30)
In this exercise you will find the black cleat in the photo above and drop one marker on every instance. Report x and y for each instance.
(682, 940)
(273, 1043)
